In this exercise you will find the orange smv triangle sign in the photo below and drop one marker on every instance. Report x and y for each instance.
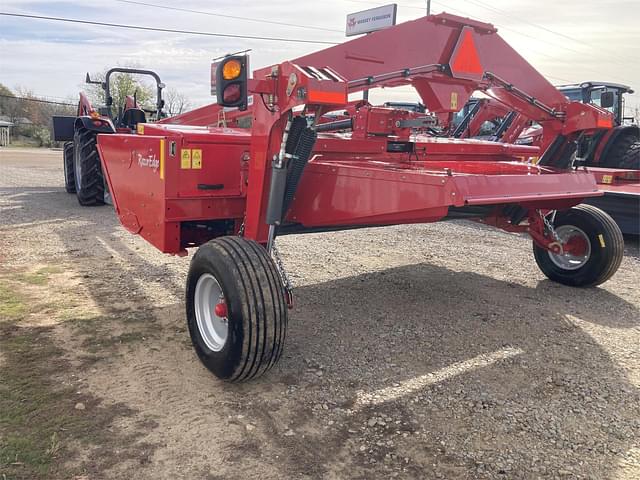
(466, 56)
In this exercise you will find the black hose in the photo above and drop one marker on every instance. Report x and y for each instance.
(337, 125)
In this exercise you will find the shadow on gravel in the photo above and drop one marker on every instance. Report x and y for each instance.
(593, 305)
(632, 246)
(557, 401)
(29, 205)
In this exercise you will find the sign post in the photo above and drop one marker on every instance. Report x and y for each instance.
(367, 21)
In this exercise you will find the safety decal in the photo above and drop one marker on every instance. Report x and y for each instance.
(454, 100)
(185, 158)
(608, 179)
(162, 158)
(601, 238)
(196, 158)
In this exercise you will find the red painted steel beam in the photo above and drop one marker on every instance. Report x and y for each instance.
(433, 41)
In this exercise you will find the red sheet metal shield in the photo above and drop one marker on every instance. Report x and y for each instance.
(465, 62)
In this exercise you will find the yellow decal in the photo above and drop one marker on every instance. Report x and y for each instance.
(601, 238)
(608, 179)
(454, 100)
(140, 129)
(161, 158)
(196, 158)
(535, 159)
(185, 158)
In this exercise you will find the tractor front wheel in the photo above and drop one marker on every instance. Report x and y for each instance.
(592, 248)
(236, 309)
(631, 158)
(67, 163)
(89, 179)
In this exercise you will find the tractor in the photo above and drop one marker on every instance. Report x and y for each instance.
(617, 147)
(82, 169)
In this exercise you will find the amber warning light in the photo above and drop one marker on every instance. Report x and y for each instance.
(229, 81)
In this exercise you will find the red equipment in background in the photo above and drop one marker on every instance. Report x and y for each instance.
(232, 189)
(613, 152)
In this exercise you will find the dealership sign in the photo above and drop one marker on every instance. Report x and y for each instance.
(371, 20)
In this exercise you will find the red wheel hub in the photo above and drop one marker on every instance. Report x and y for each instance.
(576, 245)
(220, 309)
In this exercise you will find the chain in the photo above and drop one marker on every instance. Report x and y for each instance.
(286, 281)
(549, 227)
(284, 276)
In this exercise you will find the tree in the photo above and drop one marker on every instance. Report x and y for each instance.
(10, 105)
(175, 102)
(6, 96)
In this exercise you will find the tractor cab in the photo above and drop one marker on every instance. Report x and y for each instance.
(609, 96)
(130, 114)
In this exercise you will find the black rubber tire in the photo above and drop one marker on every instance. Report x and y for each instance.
(67, 164)
(615, 156)
(631, 158)
(257, 311)
(607, 248)
(89, 180)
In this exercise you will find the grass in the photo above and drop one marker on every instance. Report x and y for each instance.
(40, 277)
(34, 410)
(39, 424)
(98, 331)
(40, 428)
(12, 305)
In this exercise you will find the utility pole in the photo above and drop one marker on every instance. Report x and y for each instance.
(428, 7)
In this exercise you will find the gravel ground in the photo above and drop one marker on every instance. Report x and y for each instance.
(425, 351)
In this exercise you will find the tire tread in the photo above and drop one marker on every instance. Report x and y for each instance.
(91, 191)
(258, 288)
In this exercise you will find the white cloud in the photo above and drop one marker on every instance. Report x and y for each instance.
(590, 40)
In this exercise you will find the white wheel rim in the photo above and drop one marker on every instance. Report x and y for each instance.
(565, 260)
(213, 329)
(77, 166)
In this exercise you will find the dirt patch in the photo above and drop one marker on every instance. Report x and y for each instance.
(47, 423)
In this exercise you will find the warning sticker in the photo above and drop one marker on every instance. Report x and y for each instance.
(607, 179)
(196, 158)
(185, 158)
(601, 238)
(454, 100)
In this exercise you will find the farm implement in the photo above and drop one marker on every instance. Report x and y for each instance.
(270, 160)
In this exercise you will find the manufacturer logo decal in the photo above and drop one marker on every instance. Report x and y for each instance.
(149, 162)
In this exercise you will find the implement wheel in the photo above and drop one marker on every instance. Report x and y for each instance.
(67, 163)
(89, 179)
(592, 248)
(236, 310)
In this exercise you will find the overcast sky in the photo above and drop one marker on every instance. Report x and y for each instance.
(566, 40)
